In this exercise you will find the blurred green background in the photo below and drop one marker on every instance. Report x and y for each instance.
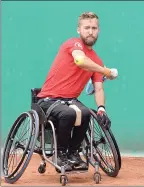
(31, 35)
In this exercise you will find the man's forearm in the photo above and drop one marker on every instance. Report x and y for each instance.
(92, 66)
(86, 63)
(100, 97)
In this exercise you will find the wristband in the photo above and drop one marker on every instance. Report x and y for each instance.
(107, 72)
(101, 107)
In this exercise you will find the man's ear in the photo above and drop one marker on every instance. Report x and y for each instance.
(78, 30)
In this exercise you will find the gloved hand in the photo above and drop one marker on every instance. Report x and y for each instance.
(114, 74)
(102, 117)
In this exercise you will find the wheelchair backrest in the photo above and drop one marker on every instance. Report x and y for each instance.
(34, 93)
(37, 108)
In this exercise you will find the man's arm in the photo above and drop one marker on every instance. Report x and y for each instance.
(102, 117)
(86, 63)
(99, 94)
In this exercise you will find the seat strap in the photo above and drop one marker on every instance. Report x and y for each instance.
(49, 110)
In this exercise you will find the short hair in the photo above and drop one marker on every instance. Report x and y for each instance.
(87, 15)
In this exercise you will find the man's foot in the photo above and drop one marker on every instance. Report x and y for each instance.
(62, 160)
(76, 162)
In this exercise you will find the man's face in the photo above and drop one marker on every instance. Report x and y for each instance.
(88, 30)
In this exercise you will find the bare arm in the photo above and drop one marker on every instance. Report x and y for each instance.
(99, 94)
(102, 117)
(88, 64)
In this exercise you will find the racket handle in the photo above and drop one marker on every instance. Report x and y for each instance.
(104, 78)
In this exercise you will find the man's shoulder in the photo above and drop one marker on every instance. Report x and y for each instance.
(72, 41)
(97, 57)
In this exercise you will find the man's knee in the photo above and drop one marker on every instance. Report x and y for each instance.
(85, 113)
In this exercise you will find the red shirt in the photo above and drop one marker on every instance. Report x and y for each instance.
(66, 79)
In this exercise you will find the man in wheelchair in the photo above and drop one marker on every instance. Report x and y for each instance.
(75, 63)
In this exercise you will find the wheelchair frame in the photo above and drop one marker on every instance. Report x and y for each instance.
(41, 121)
(97, 175)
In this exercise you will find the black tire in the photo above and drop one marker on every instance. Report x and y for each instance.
(63, 180)
(117, 148)
(27, 149)
(42, 169)
(108, 168)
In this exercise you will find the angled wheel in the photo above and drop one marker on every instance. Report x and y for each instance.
(20, 145)
(104, 149)
(115, 143)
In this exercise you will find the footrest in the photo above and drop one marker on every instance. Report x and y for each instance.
(76, 171)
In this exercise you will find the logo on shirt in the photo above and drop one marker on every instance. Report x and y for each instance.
(77, 44)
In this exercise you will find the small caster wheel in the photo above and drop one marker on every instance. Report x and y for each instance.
(42, 168)
(63, 180)
(97, 177)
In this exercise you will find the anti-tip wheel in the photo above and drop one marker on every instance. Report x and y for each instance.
(97, 177)
(42, 169)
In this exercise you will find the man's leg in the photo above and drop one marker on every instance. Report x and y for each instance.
(65, 117)
(78, 136)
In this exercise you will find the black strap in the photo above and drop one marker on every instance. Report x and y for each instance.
(49, 110)
(56, 103)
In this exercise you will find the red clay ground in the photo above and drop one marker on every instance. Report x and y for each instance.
(131, 173)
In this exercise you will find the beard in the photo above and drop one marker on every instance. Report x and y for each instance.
(89, 41)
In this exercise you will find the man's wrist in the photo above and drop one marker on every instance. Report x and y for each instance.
(101, 108)
(107, 72)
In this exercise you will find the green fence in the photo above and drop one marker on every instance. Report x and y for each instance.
(31, 35)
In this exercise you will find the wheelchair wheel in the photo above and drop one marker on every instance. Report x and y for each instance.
(19, 146)
(115, 143)
(105, 150)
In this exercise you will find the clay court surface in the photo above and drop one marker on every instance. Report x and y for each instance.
(131, 173)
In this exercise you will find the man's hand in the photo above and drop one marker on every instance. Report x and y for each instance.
(102, 117)
(114, 74)
(110, 73)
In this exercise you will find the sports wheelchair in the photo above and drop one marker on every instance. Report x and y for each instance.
(32, 132)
